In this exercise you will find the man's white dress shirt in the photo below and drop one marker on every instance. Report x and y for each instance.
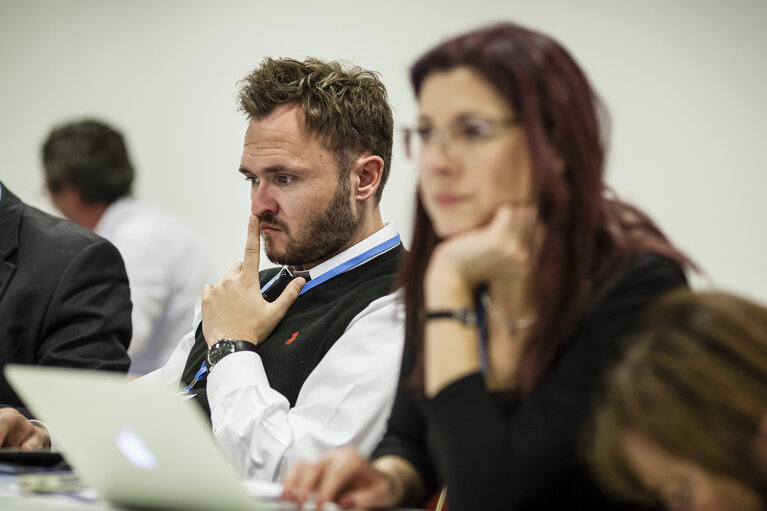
(166, 270)
(346, 400)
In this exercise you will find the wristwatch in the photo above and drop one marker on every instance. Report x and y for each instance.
(465, 316)
(224, 347)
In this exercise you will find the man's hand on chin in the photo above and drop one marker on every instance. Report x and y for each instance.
(18, 431)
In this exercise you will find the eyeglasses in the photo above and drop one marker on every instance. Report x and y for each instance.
(460, 137)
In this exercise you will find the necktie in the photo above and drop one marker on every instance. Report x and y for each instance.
(302, 273)
(282, 282)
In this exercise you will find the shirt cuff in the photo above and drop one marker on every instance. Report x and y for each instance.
(235, 371)
(41, 424)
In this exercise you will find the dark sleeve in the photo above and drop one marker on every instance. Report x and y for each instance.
(406, 431)
(496, 457)
(87, 323)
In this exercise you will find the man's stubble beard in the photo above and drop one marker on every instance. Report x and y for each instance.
(323, 236)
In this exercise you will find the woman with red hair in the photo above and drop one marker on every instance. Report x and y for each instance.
(523, 277)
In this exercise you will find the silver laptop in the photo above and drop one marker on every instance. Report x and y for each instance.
(136, 445)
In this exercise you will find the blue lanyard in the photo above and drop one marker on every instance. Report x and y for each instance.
(197, 377)
(341, 268)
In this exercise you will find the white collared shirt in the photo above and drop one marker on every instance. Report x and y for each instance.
(166, 271)
(346, 400)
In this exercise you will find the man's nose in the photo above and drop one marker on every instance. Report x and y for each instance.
(261, 201)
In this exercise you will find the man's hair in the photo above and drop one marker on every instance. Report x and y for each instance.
(91, 157)
(347, 109)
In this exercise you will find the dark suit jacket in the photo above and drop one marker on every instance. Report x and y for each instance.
(64, 297)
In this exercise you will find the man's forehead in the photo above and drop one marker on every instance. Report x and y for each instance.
(281, 139)
(286, 121)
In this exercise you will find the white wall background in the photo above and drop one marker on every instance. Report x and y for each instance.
(685, 82)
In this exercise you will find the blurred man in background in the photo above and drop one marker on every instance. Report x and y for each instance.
(90, 177)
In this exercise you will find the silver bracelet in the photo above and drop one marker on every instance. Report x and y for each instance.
(514, 326)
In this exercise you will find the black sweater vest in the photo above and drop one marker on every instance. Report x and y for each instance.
(312, 325)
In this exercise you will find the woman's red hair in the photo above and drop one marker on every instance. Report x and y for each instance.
(588, 230)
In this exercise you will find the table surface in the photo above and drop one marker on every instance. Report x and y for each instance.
(87, 500)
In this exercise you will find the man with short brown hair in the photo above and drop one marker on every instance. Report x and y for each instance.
(301, 366)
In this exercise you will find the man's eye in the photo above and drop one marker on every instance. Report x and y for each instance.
(284, 179)
(253, 179)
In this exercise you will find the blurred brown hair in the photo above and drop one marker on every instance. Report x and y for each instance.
(695, 384)
(90, 156)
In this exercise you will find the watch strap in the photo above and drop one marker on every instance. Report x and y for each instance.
(223, 347)
(466, 315)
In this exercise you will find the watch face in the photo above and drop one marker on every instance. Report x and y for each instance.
(220, 350)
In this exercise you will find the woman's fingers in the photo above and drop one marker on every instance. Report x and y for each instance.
(343, 471)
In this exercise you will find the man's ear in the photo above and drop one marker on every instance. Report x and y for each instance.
(366, 176)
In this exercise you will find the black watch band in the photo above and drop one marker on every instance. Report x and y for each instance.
(465, 316)
(224, 347)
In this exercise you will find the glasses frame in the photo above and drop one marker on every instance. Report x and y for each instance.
(454, 134)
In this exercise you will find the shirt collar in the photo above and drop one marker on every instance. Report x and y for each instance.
(114, 215)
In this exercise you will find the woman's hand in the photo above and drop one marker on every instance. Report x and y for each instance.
(504, 249)
(502, 254)
(17, 431)
(347, 478)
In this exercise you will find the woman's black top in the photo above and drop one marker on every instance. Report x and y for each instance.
(526, 455)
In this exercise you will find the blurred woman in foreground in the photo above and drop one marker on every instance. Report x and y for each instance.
(523, 276)
(683, 420)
